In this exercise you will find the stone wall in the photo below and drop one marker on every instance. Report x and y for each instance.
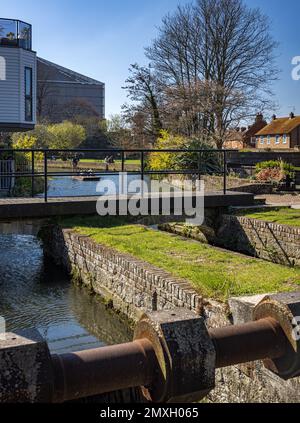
(252, 158)
(235, 184)
(251, 382)
(269, 241)
(256, 189)
(131, 286)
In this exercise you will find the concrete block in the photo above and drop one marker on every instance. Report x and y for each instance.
(25, 368)
(242, 308)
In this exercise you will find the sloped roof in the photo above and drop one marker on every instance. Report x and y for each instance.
(57, 73)
(233, 135)
(280, 126)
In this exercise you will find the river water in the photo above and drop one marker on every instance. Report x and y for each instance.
(33, 294)
(66, 186)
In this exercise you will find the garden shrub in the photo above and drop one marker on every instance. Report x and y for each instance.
(210, 162)
(274, 171)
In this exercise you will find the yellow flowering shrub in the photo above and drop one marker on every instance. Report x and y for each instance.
(166, 161)
(27, 142)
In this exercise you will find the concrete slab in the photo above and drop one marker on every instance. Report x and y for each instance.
(20, 208)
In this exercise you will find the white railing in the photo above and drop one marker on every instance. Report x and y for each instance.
(7, 167)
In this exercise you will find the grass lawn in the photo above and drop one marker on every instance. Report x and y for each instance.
(213, 272)
(284, 216)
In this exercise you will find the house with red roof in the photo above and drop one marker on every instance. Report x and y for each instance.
(280, 134)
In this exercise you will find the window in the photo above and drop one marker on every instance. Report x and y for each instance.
(284, 139)
(28, 95)
(269, 139)
(2, 68)
(277, 139)
(262, 140)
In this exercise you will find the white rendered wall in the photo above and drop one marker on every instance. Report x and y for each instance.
(12, 87)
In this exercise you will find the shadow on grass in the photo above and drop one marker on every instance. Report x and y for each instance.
(95, 222)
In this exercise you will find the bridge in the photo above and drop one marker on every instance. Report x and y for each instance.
(40, 167)
(20, 208)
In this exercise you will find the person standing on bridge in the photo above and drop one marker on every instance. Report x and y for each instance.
(75, 163)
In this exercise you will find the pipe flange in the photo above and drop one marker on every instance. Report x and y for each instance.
(285, 309)
(185, 353)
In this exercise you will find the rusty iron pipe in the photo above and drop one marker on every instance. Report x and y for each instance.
(249, 342)
(108, 369)
(94, 372)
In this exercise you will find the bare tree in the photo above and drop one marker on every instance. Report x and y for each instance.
(213, 64)
(79, 107)
(243, 65)
(143, 91)
(118, 132)
(45, 95)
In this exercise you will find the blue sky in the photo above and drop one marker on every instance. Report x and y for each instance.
(102, 38)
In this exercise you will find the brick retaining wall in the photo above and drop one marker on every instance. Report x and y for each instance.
(269, 241)
(133, 286)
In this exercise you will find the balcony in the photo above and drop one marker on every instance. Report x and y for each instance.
(14, 33)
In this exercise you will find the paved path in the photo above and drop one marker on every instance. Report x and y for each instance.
(281, 200)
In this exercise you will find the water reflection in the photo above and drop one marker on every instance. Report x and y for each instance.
(32, 295)
(66, 186)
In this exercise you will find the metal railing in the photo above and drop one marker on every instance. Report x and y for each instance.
(15, 33)
(29, 166)
(6, 168)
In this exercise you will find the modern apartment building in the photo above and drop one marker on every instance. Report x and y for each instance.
(17, 76)
(63, 93)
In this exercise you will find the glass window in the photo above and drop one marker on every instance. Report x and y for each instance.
(8, 32)
(284, 139)
(277, 139)
(24, 36)
(262, 140)
(269, 139)
(28, 95)
(15, 34)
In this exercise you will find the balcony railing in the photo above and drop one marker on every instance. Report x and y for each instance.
(14, 33)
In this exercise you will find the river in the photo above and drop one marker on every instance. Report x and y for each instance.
(66, 186)
(33, 294)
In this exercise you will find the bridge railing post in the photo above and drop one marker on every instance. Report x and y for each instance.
(46, 176)
(32, 173)
(199, 166)
(142, 171)
(123, 161)
(225, 172)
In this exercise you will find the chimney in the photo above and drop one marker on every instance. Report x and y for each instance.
(274, 117)
(292, 115)
(259, 117)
